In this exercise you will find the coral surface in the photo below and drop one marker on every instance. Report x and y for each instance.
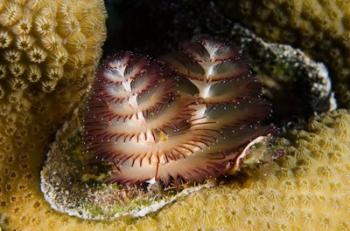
(48, 53)
(42, 42)
(312, 180)
(320, 27)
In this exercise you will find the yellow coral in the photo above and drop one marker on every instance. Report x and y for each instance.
(40, 85)
(36, 56)
(305, 190)
(51, 35)
(319, 27)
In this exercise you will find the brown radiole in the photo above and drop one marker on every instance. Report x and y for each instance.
(187, 118)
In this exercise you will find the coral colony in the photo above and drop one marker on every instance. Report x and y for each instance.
(185, 119)
(48, 54)
(47, 49)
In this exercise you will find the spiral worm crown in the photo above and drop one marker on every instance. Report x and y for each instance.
(187, 122)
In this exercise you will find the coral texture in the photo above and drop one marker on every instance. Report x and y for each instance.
(48, 54)
(312, 181)
(149, 127)
(321, 28)
(44, 47)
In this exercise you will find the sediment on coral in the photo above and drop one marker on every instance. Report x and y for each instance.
(320, 28)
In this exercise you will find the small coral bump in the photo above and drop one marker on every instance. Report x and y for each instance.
(10, 15)
(52, 42)
(43, 25)
(68, 26)
(5, 39)
(14, 96)
(23, 26)
(76, 42)
(12, 56)
(34, 73)
(48, 85)
(4, 108)
(37, 55)
(3, 71)
(76, 60)
(17, 84)
(59, 57)
(17, 69)
(54, 72)
(24, 42)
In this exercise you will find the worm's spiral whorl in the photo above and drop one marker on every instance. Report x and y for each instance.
(142, 119)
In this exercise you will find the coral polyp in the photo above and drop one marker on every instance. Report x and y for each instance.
(142, 117)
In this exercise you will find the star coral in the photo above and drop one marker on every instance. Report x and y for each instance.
(42, 79)
(307, 189)
(44, 46)
(36, 58)
(311, 180)
(255, 200)
(145, 121)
